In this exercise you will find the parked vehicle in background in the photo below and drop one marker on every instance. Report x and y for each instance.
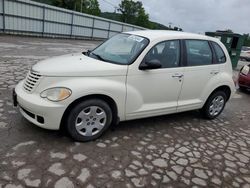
(244, 77)
(245, 53)
(132, 75)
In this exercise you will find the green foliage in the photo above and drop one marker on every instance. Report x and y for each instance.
(155, 25)
(111, 16)
(118, 17)
(85, 6)
(68, 4)
(92, 7)
(142, 19)
(128, 8)
(49, 2)
(132, 12)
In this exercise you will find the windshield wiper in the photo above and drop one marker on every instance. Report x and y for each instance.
(99, 57)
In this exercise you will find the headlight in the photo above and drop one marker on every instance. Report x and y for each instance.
(56, 94)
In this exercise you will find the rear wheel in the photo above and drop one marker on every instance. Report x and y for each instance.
(214, 105)
(89, 119)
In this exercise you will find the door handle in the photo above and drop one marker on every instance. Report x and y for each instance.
(177, 75)
(214, 72)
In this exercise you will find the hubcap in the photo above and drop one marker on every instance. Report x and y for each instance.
(216, 105)
(90, 121)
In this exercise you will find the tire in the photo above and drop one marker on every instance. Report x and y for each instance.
(242, 88)
(88, 120)
(210, 112)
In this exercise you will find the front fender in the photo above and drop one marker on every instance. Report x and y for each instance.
(113, 87)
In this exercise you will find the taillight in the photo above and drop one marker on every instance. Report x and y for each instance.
(245, 70)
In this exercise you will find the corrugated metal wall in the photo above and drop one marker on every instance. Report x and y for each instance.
(1, 14)
(28, 17)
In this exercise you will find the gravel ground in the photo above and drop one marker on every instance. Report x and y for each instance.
(181, 150)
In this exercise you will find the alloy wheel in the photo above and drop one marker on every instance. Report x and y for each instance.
(216, 105)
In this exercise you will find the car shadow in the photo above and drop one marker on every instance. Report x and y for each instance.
(177, 118)
(246, 91)
(122, 127)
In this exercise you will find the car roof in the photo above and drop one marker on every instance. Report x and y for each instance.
(168, 34)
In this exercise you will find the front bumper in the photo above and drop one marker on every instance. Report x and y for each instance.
(39, 111)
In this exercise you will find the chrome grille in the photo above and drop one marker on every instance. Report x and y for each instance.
(31, 81)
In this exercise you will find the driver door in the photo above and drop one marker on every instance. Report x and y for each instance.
(154, 92)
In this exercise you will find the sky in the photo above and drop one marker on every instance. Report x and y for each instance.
(197, 16)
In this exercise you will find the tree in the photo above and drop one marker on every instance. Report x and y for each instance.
(133, 13)
(128, 10)
(86, 6)
(142, 19)
(91, 7)
(68, 4)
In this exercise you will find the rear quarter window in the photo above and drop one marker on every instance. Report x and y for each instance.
(220, 55)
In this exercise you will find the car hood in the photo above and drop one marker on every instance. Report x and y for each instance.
(78, 65)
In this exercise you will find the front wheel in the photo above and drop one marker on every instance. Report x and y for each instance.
(89, 119)
(214, 105)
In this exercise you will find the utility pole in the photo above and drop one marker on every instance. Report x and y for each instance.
(170, 24)
(116, 8)
(81, 5)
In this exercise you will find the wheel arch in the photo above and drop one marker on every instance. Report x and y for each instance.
(224, 88)
(110, 101)
(206, 107)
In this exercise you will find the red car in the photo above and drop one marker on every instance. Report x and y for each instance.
(244, 77)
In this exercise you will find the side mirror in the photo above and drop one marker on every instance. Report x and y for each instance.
(152, 64)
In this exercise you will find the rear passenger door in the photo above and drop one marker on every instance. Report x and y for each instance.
(199, 69)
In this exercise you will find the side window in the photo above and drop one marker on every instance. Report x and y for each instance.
(168, 53)
(198, 53)
(220, 55)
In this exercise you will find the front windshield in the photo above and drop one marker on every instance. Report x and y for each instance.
(120, 49)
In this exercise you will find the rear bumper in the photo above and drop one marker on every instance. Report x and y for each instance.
(39, 111)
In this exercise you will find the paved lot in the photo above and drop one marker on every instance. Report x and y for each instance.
(179, 150)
